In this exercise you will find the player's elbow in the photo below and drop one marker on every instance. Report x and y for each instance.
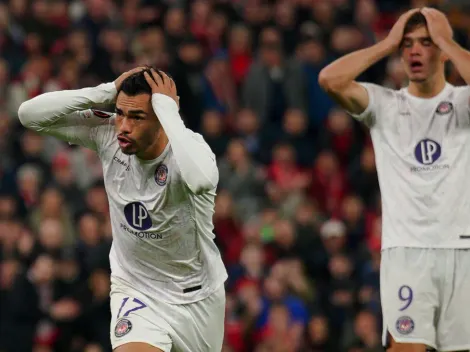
(328, 81)
(26, 114)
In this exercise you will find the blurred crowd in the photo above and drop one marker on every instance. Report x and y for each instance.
(297, 218)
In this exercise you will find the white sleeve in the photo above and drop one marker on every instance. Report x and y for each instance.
(68, 116)
(369, 115)
(463, 97)
(193, 155)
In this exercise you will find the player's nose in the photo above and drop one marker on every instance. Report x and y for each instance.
(416, 49)
(125, 126)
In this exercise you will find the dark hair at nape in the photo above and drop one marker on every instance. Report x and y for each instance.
(416, 20)
(136, 83)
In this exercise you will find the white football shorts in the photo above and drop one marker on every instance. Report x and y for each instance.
(191, 327)
(425, 296)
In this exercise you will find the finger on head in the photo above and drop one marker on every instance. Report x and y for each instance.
(168, 79)
(165, 79)
(149, 79)
(157, 76)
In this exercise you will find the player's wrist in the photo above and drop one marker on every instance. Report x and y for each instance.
(445, 43)
(105, 92)
(389, 45)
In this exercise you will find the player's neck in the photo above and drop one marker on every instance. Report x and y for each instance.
(427, 89)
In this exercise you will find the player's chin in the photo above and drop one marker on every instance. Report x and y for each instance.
(418, 77)
(128, 150)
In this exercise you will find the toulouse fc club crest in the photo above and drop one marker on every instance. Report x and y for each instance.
(123, 327)
(405, 325)
(161, 175)
(444, 108)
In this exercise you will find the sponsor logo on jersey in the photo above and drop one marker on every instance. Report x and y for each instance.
(161, 175)
(444, 108)
(101, 114)
(123, 326)
(427, 151)
(142, 234)
(405, 325)
(137, 216)
(121, 162)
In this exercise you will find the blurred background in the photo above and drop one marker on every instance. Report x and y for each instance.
(297, 219)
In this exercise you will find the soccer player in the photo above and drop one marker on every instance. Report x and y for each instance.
(421, 137)
(167, 274)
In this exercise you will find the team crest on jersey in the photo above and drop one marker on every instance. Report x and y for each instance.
(161, 175)
(444, 108)
(405, 325)
(123, 326)
(101, 114)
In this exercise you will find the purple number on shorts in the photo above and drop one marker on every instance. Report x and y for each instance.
(122, 305)
(405, 293)
(141, 305)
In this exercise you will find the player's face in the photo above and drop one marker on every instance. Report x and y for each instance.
(137, 125)
(421, 57)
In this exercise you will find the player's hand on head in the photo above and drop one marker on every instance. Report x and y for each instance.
(439, 27)
(162, 84)
(395, 36)
(126, 74)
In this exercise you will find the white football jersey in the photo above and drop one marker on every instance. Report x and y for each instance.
(161, 210)
(422, 151)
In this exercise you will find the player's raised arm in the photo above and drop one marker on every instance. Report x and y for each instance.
(338, 78)
(63, 114)
(442, 35)
(194, 157)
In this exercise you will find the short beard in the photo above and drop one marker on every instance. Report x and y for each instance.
(418, 80)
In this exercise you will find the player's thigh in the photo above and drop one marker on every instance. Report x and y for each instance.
(453, 329)
(394, 346)
(409, 295)
(137, 347)
(133, 320)
(200, 325)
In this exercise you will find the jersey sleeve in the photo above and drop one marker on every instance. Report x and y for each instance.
(68, 115)
(195, 159)
(376, 96)
(463, 98)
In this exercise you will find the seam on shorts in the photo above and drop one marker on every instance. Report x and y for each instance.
(404, 339)
(455, 348)
(164, 349)
(412, 340)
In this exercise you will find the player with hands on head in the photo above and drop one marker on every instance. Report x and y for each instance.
(421, 138)
(167, 276)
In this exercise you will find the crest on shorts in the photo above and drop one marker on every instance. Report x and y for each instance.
(405, 325)
(101, 114)
(444, 108)
(161, 175)
(123, 327)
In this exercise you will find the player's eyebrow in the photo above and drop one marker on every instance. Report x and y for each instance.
(137, 112)
(132, 112)
(417, 38)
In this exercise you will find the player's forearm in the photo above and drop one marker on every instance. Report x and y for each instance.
(458, 56)
(195, 159)
(47, 109)
(346, 69)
